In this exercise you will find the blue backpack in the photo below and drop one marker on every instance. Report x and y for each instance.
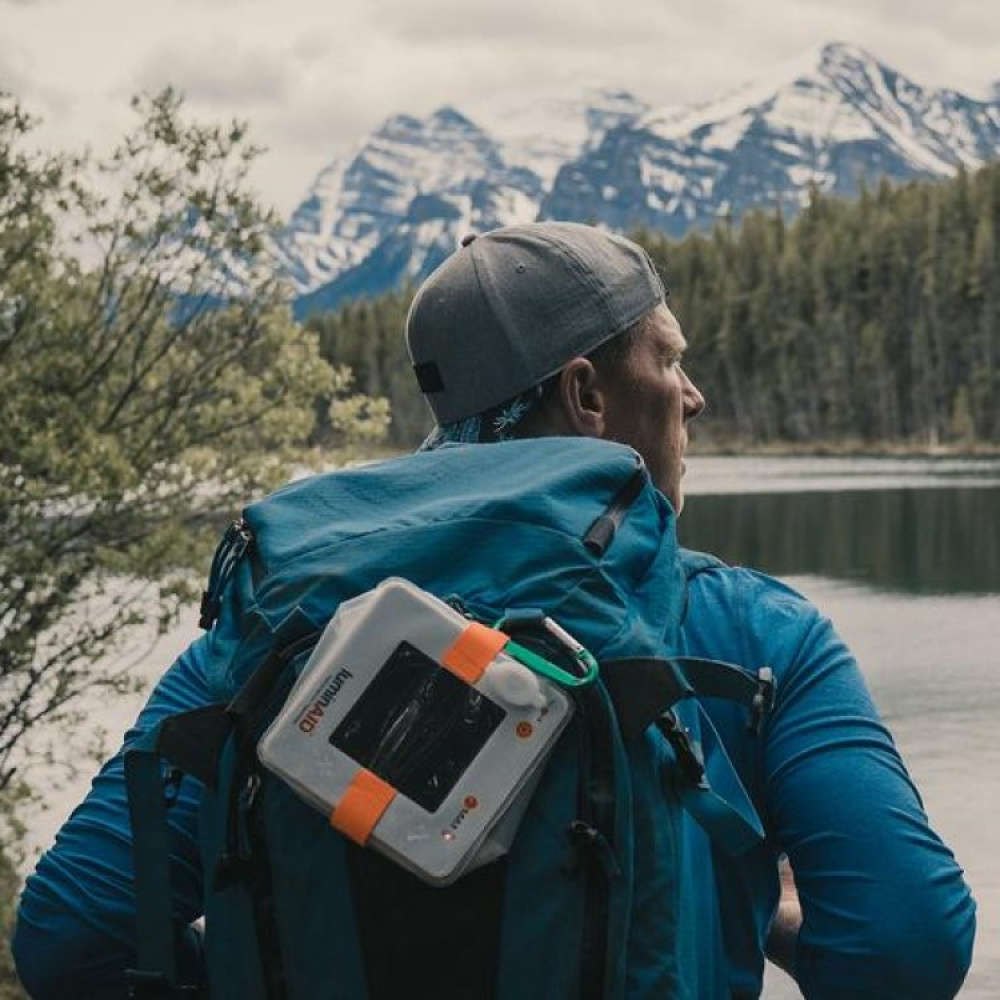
(586, 903)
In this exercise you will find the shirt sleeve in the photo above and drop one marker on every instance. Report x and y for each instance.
(887, 913)
(75, 932)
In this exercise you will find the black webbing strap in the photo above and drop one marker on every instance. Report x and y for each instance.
(259, 686)
(246, 713)
(643, 688)
(593, 835)
(191, 742)
(156, 960)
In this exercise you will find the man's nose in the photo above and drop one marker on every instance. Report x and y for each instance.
(694, 401)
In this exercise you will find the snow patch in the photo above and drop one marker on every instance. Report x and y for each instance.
(802, 175)
(726, 135)
(548, 131)
(661, 178)
(818, 114)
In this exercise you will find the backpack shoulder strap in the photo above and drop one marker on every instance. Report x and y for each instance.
(648, 690)
(643, 688)
(155, 972)
(708, 786)
(191, 742)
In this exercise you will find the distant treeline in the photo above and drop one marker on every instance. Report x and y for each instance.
(368, 337)
(871, 321)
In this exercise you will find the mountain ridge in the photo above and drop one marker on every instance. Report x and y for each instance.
(393, 206)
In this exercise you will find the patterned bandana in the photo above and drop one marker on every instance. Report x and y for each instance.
(495, 424)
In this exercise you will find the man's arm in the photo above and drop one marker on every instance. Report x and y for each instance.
(75, 933)
(885, 910)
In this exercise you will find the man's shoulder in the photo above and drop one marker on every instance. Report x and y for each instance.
(740, 607)
(708, 572)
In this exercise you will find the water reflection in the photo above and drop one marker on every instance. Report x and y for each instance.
(944, 540)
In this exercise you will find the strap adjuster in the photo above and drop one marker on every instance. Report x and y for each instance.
(686, 750)
(763, 700)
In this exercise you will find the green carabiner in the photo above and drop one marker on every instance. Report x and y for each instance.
(533, 661)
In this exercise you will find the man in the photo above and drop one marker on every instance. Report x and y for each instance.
(884, 911)
(562, 329)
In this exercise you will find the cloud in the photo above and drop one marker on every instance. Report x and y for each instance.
(218, 73)
(15, 68)
(312, 77)
(19, 76)
(560, 23)
(958, 19)
(314, 47)
(676, 53)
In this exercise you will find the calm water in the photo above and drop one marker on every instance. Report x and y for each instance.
(904, 557)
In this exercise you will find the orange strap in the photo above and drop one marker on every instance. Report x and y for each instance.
(471, 653)
(361, 806)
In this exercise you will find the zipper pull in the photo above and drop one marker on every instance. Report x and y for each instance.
(234, 543)
(601, 533)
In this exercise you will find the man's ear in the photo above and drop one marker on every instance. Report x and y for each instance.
(583, 398)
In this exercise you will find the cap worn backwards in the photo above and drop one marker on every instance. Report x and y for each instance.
(512, 306)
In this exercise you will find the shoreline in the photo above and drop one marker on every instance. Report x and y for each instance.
(734, 448)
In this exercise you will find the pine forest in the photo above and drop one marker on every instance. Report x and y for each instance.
(864, 324)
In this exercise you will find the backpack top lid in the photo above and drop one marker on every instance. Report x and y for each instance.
(571, 526)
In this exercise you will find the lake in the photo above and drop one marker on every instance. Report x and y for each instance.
(904, 556)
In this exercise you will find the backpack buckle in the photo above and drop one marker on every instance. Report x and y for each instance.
(686, 750)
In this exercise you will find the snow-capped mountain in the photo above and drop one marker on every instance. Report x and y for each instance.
(397, 204)
(832, 118)
(391, 209)
(543, 136)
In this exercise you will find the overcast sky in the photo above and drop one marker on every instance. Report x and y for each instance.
(312, 76)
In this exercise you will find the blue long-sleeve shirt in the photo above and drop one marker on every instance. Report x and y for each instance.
(886, 911)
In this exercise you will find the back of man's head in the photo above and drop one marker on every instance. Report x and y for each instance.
(514, 305)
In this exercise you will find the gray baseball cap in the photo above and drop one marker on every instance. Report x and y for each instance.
(512, 306)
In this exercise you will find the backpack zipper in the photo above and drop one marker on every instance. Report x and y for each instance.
(234, 544)
(599, 536)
